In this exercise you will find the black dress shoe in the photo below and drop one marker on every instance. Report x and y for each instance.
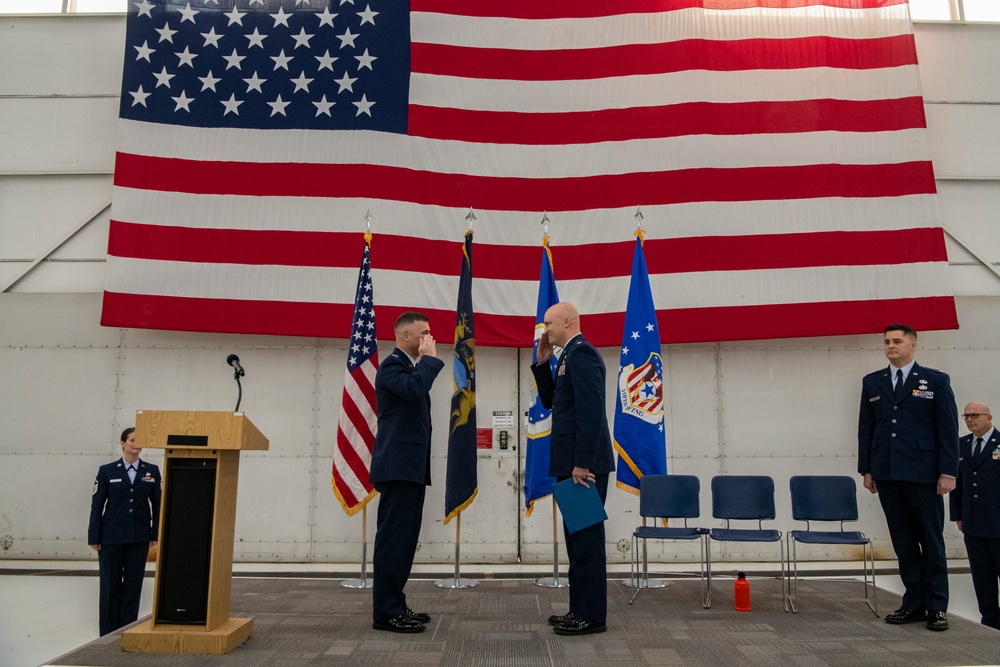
(561, 620)
(578, 626)
(937, 620)
(903, 616)
(417, 616)
(399, 624)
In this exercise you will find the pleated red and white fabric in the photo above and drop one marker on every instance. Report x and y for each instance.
(777, 149)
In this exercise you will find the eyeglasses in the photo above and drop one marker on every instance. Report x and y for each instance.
(974, 415)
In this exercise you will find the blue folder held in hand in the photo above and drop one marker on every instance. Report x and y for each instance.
(580, 505)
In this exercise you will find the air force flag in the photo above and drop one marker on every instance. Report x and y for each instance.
(639, 435)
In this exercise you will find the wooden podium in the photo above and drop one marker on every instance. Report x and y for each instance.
(194, 564)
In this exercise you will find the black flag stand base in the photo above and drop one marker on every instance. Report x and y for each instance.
(364, 581)
(457, 581)
(555, 581)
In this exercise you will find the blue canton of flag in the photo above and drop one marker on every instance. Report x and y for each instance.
(639, 435)
(268, 64)
(537, 482)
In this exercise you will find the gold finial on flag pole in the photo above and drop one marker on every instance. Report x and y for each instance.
(638, 225)
(545, 235)
(368, 225)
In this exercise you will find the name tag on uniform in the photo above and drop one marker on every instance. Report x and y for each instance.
(873, 399)
(918, 393)
(112, 481)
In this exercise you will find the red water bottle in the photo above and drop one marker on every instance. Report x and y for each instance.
(741, 592)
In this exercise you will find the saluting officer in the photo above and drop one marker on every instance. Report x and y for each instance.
(124, 524)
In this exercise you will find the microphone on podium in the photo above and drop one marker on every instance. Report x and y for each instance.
(234, 361)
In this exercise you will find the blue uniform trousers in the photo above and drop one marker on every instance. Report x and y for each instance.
(588, 566)
(400, 510)
(122, 568)
(984, 560)
(914, 513)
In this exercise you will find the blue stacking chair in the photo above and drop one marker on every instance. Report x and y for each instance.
(827, 498)
(746, 498)
(669, 497)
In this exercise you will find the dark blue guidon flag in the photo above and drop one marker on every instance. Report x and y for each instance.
(461, 485)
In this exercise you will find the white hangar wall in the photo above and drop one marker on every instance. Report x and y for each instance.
(69, 386)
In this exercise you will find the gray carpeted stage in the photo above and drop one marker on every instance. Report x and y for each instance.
(315, 621)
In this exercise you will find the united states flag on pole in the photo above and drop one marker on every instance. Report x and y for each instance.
(777, 147)
(352, 459)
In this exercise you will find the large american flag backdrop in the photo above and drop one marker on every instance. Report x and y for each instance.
(777, 149)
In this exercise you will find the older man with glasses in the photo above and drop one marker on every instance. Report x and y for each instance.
(975, 507)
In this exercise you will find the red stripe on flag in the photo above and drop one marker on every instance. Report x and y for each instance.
(695, 118)
(355, 414)
(501, 262)
(680, 56)
(554, 9)
(523, 194)
(682, 325)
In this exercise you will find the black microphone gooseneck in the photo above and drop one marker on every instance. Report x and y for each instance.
(238, 371)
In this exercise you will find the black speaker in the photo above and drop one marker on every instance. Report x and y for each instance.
(186, 550)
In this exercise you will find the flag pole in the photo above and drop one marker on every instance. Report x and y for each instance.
(369, 404)
(457, 581)
(363, 582)
(636, 580)
(555, 581)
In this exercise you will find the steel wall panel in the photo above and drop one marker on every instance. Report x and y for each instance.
(278, 390)
(62, 55)
(45, 502)
(964, 140)
(57, 399)
(58, 135)
(274, 507)
(958, 62)
(52, 320)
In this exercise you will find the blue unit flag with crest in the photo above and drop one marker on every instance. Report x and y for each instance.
(639, 427)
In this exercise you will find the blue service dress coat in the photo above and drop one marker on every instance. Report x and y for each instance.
(124, 519)
(914, 439)
(576, 396)
(122, 512)
(976, 503)
(580, 438)
(976, 498)
(402, 448)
